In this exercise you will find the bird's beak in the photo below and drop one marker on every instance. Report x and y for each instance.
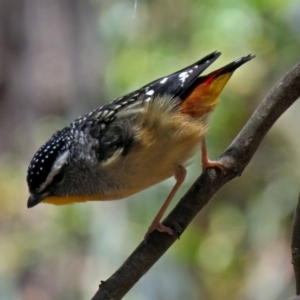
(33, 200)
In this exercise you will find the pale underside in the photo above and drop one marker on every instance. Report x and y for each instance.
(165, 139)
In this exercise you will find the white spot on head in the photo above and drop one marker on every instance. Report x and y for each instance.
(164, 80)
(150, 93)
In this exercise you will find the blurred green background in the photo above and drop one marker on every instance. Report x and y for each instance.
(60, 59)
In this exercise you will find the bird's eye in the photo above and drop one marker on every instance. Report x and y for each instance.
(58, 177)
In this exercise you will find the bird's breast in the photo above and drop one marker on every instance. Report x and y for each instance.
(161, 145)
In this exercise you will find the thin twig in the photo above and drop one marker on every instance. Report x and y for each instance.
(235, 158)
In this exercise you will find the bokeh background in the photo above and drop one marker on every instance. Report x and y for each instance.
(62, 58)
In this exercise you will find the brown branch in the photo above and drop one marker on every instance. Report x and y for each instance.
(235, 158)
(296, 246)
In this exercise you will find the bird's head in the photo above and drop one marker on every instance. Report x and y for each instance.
(48, 168)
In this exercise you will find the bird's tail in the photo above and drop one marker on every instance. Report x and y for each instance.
(202, 95)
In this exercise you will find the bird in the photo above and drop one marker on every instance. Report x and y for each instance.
(133, 142)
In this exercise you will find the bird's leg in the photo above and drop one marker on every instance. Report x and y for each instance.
(206, 163)
(179, 175)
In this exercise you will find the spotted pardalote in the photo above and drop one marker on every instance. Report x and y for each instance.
(133, 142)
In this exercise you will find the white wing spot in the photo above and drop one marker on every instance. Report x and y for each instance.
(110, 113)
(183, 74)
(164, 80)
(148, 99)
(149, 93)
(104, 113)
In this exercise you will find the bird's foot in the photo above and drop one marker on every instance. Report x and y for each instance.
(159, 227)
